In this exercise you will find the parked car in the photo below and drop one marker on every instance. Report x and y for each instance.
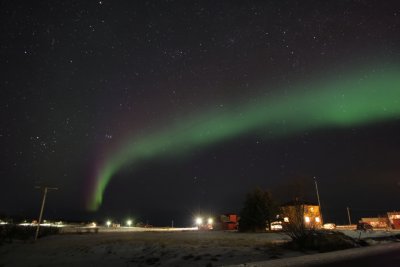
(276, 226)
(364, 226)
(329, 226)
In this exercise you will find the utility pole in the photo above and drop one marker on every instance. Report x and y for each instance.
(319, 202)
(348, 215)
(42, 207)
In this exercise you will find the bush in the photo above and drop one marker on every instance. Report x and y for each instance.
(323, 241)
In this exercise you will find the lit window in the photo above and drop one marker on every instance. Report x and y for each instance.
(317, 219)
(307, 219)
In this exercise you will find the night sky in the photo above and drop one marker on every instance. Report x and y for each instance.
(159, 110)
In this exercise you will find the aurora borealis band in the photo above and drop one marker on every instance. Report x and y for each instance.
(356, 99)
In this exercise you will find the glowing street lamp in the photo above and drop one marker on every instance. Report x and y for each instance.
(199, 221)
(129, 223)
(108, 223)
(210, 221)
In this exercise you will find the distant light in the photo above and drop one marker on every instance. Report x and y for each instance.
(317, 219)
(199, 220)
(108, 223)
(307, 219)
(286, 219)
(129, 223)
(210, 221)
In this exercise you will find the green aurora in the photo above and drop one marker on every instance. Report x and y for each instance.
(356, 99)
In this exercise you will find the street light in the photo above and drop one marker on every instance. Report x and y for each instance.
(129, 223)
(108, 223)
(199, 221)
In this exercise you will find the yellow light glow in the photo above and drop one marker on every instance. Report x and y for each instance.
(129, 223)
(307, 219)
(286, 219)
(108, 223)
(317, 219)
(210, 221)
(199, 220)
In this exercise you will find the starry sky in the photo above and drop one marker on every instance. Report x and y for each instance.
(160, 110)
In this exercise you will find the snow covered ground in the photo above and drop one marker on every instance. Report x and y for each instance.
(196, 248)
(157, 248)
(369, 234)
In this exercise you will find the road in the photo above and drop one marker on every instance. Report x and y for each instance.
(378, 255)
(389, 258)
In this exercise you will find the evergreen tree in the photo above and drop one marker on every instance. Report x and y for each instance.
(259, 210)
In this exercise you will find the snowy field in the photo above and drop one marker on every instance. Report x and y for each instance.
(195, 248)
(155, 248)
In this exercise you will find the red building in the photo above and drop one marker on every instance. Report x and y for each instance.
(229, 221)
(394, 219)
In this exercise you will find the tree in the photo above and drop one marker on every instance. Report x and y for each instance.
(295, 228)
(259, 209)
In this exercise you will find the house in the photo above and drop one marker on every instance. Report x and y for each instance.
(308, 212)
(229, 221)
(377, 222)
(394, 219)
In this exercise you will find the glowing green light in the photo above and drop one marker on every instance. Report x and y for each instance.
(341, 103)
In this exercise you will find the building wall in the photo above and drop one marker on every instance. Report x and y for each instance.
(378, 222)
(229, 221)
(310, 214)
